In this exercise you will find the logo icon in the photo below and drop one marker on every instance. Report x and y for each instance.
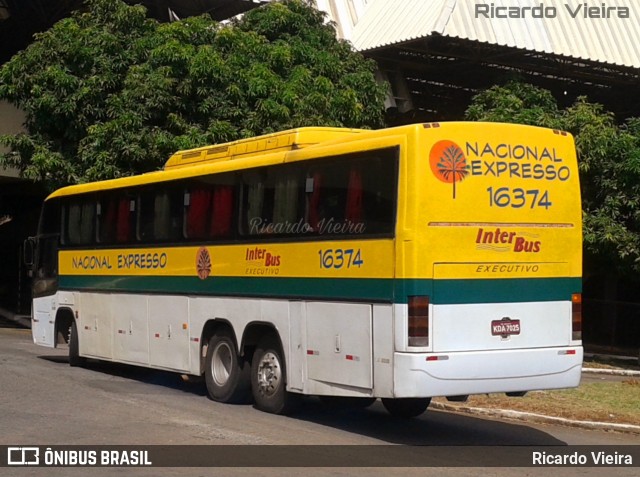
(448, 163)
(203, 263)
(23, 456)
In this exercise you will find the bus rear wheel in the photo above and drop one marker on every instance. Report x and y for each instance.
(226, 373)
(269, 378)
(75, 359)
(406, 407)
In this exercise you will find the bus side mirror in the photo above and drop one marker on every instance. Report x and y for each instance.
(28, 254)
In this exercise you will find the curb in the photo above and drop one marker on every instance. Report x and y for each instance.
(612, 372)
(539, 418)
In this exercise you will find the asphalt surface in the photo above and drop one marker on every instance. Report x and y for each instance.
(588, 376)
(44, 401)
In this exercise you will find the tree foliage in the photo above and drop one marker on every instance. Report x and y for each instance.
(109, 92)
(608, 159)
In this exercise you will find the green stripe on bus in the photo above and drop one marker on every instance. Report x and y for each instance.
(366, 289)
(504, 290)
(274, 287)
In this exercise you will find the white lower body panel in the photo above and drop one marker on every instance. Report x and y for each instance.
(480, 372)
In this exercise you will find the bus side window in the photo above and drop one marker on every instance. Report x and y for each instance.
(160, 215)
(286, 197)
(198, 204)
(379, 194)
(124, 227)
(222, 218)
(327, 191)
(162, 223)
(352, 195)
(81, 222)
(253, 202)
(353, 209)
(209, 208)
(107, 219)
(313, 190)
(272, 200)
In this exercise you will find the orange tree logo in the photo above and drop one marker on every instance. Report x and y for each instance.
(203, 263)
(448, 163)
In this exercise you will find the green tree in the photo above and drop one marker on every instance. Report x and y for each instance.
(109, 92)
(609, 164)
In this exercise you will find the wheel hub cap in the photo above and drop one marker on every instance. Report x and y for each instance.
(221, 364)
(269, 374)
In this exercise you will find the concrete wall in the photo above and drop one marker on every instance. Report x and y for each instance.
(11, 122)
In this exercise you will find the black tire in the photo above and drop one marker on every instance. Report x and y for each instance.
(75, 359)
(406, 407)
(269, 378)
(344, 402)
(227, 375)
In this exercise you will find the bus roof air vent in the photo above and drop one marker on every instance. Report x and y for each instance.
(284, 141)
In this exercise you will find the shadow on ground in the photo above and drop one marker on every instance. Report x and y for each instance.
(434, 428)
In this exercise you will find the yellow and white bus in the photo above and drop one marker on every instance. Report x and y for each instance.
(439, 259)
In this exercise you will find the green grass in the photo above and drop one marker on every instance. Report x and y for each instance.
(607, 362)
(617, 402)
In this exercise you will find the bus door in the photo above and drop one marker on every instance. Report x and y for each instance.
(44, 287)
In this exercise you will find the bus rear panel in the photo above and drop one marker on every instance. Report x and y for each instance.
(492, 270)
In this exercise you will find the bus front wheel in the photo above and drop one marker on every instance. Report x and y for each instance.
(226, 374)
(74, 347)
(269, 378)
(406, 407)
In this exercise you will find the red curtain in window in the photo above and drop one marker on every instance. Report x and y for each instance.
(314, 202)
(222, 211)
(123, 227)
(353, 210)
(199, 204)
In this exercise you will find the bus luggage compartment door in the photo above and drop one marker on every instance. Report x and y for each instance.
(339, 347)
(471, 314)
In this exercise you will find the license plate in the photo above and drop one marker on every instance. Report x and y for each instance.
(505, 327)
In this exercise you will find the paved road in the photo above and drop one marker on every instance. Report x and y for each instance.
(44, 401)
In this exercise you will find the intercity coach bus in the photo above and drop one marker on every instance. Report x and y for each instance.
(439, 259)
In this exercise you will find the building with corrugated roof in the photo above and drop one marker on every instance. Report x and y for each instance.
(437, 54)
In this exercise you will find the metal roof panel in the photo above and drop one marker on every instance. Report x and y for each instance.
(608, 40)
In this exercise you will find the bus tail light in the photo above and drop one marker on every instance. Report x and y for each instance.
(418, 321)
(576, 316)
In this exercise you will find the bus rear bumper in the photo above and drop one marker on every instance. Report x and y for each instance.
(480, 372)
